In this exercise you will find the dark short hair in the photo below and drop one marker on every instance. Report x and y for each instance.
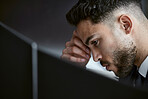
(95, 10)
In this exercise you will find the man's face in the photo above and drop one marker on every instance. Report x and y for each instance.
(114, 48)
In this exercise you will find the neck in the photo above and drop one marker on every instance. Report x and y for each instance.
(142, 45)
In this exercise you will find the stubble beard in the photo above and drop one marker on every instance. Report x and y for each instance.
(123, 59)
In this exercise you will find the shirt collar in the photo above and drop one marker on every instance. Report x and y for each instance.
(144, 67)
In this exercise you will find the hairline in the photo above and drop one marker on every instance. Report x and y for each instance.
(131, 9)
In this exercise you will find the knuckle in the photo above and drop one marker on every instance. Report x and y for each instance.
(63, 51)
(66, 50)
(67, 43)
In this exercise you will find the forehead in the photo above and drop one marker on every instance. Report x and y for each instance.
(86, 28)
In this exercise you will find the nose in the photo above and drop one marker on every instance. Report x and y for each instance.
(96, 55)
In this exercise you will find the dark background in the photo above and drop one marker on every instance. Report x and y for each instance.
(42, 20)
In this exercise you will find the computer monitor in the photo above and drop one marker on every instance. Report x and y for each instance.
(18, 64)
(58, 79)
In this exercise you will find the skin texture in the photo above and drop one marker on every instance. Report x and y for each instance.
(76, 51)
(118, 46)
(114, 53)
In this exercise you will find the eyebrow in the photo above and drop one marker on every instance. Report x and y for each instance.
(88, 39)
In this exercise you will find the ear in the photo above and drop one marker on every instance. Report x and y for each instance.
(126, 23)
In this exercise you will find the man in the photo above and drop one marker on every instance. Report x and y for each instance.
(116, 32)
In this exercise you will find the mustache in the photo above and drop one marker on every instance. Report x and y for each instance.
(104, 62)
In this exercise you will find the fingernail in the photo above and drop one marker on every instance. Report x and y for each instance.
(87, 56)
(82, 60)
(87, 50)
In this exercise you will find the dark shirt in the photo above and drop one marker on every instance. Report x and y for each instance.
(135, 79)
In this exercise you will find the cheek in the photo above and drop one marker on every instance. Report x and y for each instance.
(108, 47)
(112, 47)
(107, 50)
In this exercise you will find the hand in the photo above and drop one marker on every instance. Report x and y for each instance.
(76, 51)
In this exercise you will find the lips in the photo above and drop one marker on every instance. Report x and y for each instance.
(106, 65)
(107, 68)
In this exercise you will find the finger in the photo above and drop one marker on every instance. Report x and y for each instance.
(75, 34)
(69, 44)
(77, 41)
(81, 45)
(73, 59)
(76, 50)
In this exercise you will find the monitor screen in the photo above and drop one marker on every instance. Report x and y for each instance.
(59, 79)
(16, 61)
